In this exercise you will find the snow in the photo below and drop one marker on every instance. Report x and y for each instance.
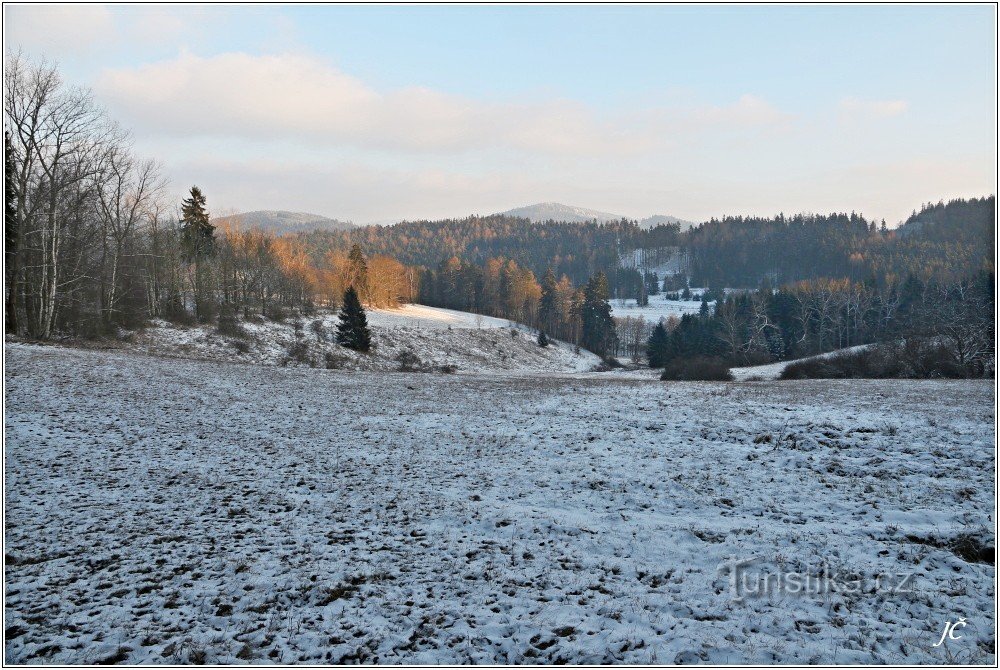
(658, 307)
(434, 317)
(438, 337)
(173, 511)
(774, 370)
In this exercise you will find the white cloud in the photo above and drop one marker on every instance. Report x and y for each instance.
(56, 30)
(878, 109)
(298, 96)
(749, 110)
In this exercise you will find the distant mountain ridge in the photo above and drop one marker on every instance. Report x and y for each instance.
(281, 222)
(554, 211)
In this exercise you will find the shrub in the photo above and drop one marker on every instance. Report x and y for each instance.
(173, 311)
(334, 361)
(913, 359)
(241, 346)
(409, 361)
(230, 326)
(275, 312)
(298, 351)
(318, 329)
(608, 364)
(699, 368)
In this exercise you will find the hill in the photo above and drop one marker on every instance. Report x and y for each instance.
(554, 211)
(281, 222)
(438, 339)
(663, 220)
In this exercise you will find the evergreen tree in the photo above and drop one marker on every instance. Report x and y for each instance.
(543, 339)
(595, 314)
(197, 231)
(653, 284)
(703, 310)
(198, 243)
(656, 348)
(547, 307)
(352, 329)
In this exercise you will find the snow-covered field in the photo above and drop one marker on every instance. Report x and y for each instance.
(423, 316)
(658, 307)
(438, 337)
(171, 511)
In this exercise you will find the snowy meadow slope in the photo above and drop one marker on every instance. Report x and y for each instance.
(178, 511)
(461, 341)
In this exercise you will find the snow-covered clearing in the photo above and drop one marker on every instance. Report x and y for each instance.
(658, 308)
(434, 317)
(770, 371)
(179, 511)
(438, 337)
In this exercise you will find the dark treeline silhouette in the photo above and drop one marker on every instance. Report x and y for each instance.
(953, 319)
(952, 239)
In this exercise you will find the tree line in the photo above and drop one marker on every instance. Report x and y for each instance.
(501, 287)
(944, 240)
(575, 250)
(955, 317)
(92, 244)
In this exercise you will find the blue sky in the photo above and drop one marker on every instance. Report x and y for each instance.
(376, 113)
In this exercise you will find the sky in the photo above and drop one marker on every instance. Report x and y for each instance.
(380, 113)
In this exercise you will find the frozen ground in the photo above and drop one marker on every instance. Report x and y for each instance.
(438, 337)
(173, 511)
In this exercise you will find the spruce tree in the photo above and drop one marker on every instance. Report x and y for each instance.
(197, 231)
(547, 304)
(543, 339)
(595, 314)
(197, 243)
(656, 348)
(352, 330)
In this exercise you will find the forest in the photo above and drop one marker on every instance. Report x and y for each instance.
(945, 328)
(942, 240)
(93, 246)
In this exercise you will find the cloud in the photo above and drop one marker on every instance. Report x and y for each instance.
(353, 189)
(749, 110)
(297, 96)
(82, 32)
(57, 29)
(876, 109)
